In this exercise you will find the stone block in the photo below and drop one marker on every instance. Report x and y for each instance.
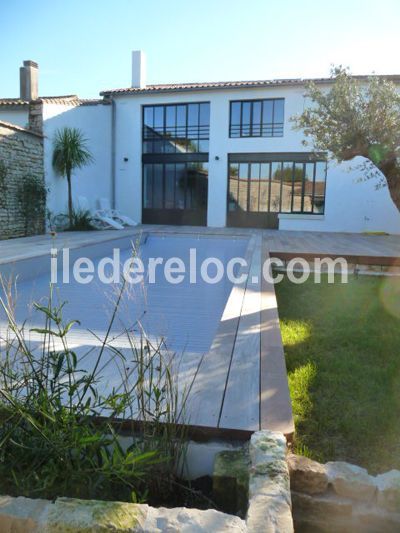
(388, 490)
(306, 475)
(269, 488)
(21, 515)
(182, 520)
(75, 516)
(350, 481)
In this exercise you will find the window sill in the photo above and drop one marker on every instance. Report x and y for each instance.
(299, 216)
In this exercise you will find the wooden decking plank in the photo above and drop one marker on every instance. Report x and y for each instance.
(241, 401)
(206, 397)
(275, 405)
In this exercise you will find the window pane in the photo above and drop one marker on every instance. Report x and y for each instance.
(235, 113)
(180, 186)
(319, 190)
(246, 115)
(176, 128)
(286, 176)
(169, 186)
(203, 146)
(243, 185)
(308, 188)
(256, 117)
(147, 186)
(297, 188)
(148, 116)
(254, 186)
(278, 110)
(170, 122)
(276, 173)
(181, 116)
(233, 186)
(195, 187)
(159, 118)
(157, 186)
(264, 187)
(268, 107)
(193, 114)
(204, 114)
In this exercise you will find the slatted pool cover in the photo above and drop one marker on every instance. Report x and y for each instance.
(185, 314)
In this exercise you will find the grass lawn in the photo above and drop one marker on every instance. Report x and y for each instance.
(342, 347)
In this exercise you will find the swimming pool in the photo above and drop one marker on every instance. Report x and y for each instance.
(186, 315)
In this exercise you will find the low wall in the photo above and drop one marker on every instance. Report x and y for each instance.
(339, 496)
(265, 484)
(271, 491)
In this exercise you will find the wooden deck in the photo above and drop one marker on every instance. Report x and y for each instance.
(241, 384)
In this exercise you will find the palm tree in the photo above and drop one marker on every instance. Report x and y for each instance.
(70, 152)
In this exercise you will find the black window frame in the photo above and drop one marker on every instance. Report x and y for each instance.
(277, 128)
(281, 158)
(198, 133)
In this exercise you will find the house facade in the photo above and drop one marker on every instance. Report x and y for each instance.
(216, 154)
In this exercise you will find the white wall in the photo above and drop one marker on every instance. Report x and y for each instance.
(19, 117)
(92, 181)
(350, 206)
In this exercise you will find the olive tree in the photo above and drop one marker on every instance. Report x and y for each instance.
(357, 117)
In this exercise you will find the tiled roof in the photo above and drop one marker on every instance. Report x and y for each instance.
(18, 128)
(70, 99)
(13, 102)
(178, 87)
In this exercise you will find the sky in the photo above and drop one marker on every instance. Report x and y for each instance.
(83, 47)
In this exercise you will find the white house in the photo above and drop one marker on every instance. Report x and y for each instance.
(216, 154)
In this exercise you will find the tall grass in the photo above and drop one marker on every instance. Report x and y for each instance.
(61, 423)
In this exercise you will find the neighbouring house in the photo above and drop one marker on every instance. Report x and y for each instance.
(216, 154)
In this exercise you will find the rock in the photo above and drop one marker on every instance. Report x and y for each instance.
(269, 514)
(182, 520)
(21, 515)
(269, 488)
(266, 446)
(76, 516)
(231, 481)
(324, 512)
(372, 519)
(306, 475)
(351, 481)
(388, 495)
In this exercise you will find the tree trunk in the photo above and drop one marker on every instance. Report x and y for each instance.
(391, 171)
(70, 209)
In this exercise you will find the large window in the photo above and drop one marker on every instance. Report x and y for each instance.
(175, 186)
(277, 186)
(176, 128)
(257, 118)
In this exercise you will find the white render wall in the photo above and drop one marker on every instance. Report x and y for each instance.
(350, 206)
(92, 181)
(19, 117)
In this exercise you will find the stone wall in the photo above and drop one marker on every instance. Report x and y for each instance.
(260, 471)
(21, 155)
(339, 496)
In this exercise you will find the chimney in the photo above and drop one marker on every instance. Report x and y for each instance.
(138, 69)
(28, 78)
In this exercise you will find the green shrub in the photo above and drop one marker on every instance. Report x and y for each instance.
(32, 194)
(59, 432)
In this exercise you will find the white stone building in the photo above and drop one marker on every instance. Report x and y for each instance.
(216, 154)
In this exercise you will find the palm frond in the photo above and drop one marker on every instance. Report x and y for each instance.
(70, 150)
